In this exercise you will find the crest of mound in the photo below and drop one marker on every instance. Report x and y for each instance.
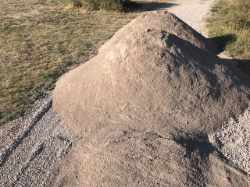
(150, 78)
(163, 20)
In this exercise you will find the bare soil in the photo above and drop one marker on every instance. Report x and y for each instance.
(145, 106)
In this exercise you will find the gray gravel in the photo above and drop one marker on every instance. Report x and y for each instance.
(233, 141)
(32, 147)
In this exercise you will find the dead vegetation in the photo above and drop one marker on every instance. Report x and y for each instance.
(39, 41)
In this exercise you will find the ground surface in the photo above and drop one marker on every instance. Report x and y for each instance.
(194, 12)
(37, 144)
(138, 91)
(39, 40)
(31, 148)
(235, 34)
(233, 140)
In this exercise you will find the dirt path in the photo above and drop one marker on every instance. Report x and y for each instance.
(31, 148)
(193, 12)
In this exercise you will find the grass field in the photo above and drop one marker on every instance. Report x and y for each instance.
(231, 20)
(39, 41)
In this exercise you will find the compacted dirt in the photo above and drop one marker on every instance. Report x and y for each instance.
(153, 108)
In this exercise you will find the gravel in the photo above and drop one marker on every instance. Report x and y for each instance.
(32, 147)
(233, 141)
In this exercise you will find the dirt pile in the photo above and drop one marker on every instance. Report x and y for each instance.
(143, 108)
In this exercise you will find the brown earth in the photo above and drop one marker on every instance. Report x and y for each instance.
(143, 108)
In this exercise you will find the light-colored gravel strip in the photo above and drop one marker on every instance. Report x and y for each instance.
(31, 156)
(233, 141)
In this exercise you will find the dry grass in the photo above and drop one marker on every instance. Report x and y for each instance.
(232, 18)
(39, 41)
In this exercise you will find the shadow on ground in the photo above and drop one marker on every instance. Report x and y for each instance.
(221, 43)
(242, 64)
(148, 6)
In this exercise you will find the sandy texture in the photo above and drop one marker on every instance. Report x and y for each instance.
(146, 72)
(151, 95)
(127, 157)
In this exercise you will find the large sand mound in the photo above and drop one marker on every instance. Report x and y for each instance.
(144, 105)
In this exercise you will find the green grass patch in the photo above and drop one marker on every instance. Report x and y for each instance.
(230, 21)
(39, 41)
